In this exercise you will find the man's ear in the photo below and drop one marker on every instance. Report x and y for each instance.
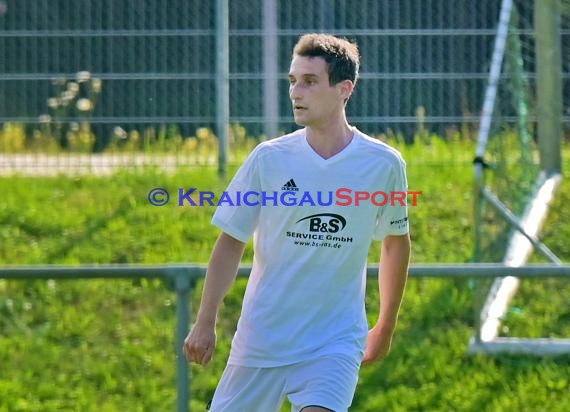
(346, 89)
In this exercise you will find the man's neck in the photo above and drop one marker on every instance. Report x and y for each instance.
(330, 140)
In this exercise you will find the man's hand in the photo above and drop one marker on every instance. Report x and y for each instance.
(201, 340)
(200, 343)
(392, 278)
(377, 345)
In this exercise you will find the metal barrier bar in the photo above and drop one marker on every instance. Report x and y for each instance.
(127, 271)
(469, 270)
(184, 278)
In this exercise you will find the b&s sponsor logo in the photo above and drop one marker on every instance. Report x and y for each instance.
(320, 230)
(325, 222)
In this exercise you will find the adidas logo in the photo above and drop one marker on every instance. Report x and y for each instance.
(290, 186)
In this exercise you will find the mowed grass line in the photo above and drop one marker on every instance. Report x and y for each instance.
(102, 345)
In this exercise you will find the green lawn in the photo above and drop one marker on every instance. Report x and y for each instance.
(103, 345)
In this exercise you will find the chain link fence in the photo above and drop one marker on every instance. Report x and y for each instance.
(136, 80)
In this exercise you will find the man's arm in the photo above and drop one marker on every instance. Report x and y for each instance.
(201, 340)
(392, 282)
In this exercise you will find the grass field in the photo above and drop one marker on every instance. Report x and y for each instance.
(102, 345)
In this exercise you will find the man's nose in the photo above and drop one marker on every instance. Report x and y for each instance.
(294, 92)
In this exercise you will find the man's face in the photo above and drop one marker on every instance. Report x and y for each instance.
(315, 101)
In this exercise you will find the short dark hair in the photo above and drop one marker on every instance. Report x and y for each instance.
(342, 56)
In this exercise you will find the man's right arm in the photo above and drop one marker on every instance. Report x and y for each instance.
(201, 340)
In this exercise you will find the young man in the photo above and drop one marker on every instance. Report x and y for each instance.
(303, 331)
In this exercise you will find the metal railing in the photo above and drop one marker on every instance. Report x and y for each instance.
(184, 277)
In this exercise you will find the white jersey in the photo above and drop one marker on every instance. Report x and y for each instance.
(305, 294)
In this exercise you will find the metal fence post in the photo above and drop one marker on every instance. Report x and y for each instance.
(222, 83)
(549, 88)
(184, 284)
(271, 69)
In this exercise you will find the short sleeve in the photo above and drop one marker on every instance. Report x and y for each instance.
(238, 216)
(392, 218)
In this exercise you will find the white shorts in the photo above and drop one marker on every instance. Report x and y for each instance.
(328, 381)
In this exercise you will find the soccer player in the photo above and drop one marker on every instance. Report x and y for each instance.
(303, 332)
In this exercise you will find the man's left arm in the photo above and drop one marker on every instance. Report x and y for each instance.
(392, 277)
